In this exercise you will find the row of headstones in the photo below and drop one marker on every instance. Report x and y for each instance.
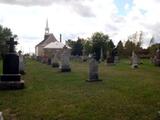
(58, 60)
(135, 60)
(111, 57)
(63, 62)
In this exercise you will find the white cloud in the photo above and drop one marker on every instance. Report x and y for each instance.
(78, 18)
(126, 7)
(141, 17)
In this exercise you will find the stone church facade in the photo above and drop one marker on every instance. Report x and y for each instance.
(48, 45)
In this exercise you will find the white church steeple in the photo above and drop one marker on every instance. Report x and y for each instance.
(47, 28)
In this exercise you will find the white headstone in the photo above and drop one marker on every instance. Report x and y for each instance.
(84, 57)
(1, 116)
(65, 58)
(55, 60)
(116, 59)
(21, 63)
(93, 70)
(134, 60)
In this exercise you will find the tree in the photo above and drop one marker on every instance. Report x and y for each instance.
(88, 46)
(120, 48)
(140, 42)
(77, 46)
(70, 43)
(5, 34)
(153, 48)
(129, 47)
(99, 42)
(110, 45)
(151, 41)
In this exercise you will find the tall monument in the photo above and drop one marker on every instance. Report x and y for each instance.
(11, 78)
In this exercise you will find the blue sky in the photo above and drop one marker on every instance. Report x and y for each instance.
(121, 6)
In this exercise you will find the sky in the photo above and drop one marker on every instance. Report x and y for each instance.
(80, 18)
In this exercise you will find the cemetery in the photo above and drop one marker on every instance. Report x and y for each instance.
(67, 83)
(78, 78)
(123, 93)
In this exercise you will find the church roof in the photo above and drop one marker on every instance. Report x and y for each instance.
(55, 45)
(48, 37)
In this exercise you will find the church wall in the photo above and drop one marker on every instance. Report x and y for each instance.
(51, 52)
(40, 47)
(40, 51)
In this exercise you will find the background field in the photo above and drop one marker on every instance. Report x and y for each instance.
(124, 93)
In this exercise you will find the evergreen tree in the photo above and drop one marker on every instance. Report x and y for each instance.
(110, 45)
(77, 46)
(120, 49)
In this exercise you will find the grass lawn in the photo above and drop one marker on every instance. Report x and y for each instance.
(124, 93)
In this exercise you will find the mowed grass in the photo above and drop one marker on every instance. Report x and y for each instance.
(124, 93)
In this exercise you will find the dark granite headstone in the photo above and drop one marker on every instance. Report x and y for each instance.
(11, 79)
(110, 58)
(84, 56)
(49, 61)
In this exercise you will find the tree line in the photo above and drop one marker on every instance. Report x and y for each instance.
(99, 43)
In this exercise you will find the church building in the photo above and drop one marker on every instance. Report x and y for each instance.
(49, 44)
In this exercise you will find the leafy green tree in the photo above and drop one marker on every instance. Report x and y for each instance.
(99, 41)
(87, 46)
(5, 34)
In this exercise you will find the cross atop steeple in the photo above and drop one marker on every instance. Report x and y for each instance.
(47, 28)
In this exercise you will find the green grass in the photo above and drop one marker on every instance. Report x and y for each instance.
(124, 93)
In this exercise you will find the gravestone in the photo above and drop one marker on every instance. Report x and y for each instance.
(93, 70)
(101, 57)
(49, 61)
(21, 63)
(116, 59)
(55, 60)
(134, 60)
(157, 58)
(1, 116)
(110, 58)
(45, 59)
(11, 79)
(65, 65)
(115, 55)
(84, 57)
